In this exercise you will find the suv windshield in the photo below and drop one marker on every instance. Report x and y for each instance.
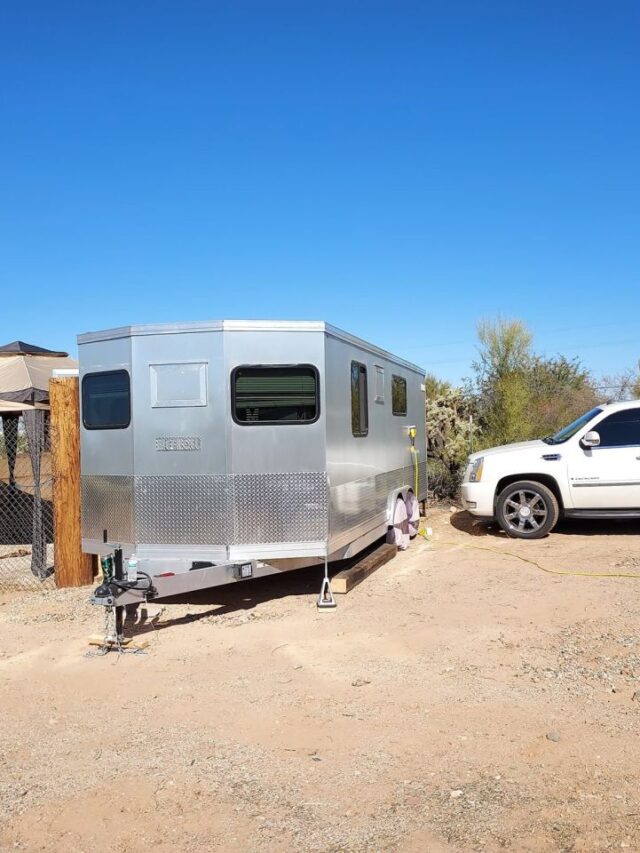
(567, 432)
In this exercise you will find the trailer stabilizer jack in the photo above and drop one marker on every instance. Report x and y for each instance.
(326, 601)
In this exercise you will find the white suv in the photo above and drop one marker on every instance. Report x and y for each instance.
(590, 469)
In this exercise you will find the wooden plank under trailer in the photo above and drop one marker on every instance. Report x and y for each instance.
(345, 581)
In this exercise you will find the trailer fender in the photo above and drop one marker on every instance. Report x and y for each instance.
(391, 501)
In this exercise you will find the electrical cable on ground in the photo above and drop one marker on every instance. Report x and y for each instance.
(542, 568)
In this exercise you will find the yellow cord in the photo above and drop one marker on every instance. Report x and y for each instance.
(422, 532)
(414, 453)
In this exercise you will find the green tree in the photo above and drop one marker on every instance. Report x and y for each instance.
(560, 390)
(626, 386)
(514, 395)
(521, 395)
(505, 347)
(501, 380)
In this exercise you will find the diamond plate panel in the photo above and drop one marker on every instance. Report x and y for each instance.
(233, 510)
(107, 504)
(184, 510)
(354, 503)
(290, 507)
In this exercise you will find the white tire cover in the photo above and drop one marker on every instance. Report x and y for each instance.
(413, 514)
(399, 533)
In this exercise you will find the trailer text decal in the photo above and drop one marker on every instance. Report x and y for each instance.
(178, 443)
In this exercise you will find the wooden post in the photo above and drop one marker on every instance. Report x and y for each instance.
(72, 567)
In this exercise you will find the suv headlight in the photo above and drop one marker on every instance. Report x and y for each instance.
(475, 474)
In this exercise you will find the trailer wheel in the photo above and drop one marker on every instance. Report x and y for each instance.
(413, 514)
(399, 531)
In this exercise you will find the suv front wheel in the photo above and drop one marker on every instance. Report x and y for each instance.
(527, 510)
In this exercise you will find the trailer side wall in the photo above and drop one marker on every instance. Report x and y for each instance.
(366, 470)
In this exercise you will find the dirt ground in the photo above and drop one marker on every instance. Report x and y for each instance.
(459, 699)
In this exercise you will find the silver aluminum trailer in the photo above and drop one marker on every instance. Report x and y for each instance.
(213, 452)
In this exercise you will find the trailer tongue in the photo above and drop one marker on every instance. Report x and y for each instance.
(117, 591)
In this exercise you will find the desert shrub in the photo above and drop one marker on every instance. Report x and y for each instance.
(450, 435)
(621, 386)
(521, 395)
(513, 395)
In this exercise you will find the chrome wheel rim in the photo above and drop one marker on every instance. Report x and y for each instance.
(525, 511)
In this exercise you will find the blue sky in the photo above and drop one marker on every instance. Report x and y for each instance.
(399, 169)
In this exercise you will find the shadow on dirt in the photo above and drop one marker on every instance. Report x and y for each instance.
(597, 527)
(16, 516)
(466, 523)
(239, 596)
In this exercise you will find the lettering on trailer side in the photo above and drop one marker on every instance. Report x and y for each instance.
(177, 443)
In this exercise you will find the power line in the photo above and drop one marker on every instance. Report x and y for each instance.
(545, 333)
(577, 348)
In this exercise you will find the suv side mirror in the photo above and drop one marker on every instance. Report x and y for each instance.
(591, 439)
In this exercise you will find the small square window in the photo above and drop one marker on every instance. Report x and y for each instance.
(176, 384)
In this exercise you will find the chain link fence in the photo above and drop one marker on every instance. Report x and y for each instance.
(26, 504)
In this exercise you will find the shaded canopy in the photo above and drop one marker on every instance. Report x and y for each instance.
(20, 348)
(24, 377)
(8, 407)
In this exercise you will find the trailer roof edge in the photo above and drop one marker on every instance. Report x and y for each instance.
(340, 334)
(246, 325)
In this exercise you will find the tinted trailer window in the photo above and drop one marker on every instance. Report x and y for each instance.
(359, 401)
(275, 395)
(106, 400)
(398, 395)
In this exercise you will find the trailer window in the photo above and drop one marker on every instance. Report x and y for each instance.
(359, 403)
(275, 395)
(106, 400)
(379, 383)
(398, 395)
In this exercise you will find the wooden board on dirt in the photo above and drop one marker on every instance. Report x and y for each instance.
(346, 580)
